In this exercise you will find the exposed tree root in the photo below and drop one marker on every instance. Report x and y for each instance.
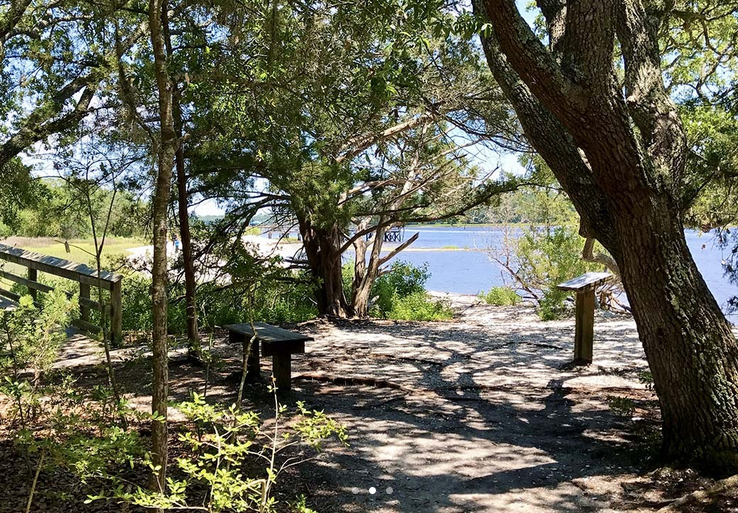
(700, 495)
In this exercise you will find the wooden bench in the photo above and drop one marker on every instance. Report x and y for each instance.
(584, 286)
(276, 342)
(7, 304)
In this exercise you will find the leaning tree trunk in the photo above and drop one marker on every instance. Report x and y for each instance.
(193, 335)
(620, 159)
(690, 349)
(323, 250)
(366, 274)
(167, 149)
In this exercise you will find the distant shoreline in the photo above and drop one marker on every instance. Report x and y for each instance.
(469, 225)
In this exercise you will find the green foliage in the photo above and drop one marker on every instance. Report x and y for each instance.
(31, 336)
(501, 296)
(230, 462)
(419, 306)
(400, 294)
(19, 191)
(646, 378)
(546, 252)
(58, 210)
(259, 288)
(276, 302)
(547, 257)
(622, 406)
(300, 505)
(223, 441)
(402, 280)
(81, 433)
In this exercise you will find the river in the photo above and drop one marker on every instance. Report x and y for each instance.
(456, 265)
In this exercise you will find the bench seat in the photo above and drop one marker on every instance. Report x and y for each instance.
(278, 343)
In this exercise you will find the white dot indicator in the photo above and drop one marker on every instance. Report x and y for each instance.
(372, 490)
(354, 490)
(389, 490)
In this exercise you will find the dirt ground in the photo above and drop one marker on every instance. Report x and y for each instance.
(479, 414)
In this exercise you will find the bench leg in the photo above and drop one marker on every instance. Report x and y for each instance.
(584, 334)
(253, 365)
(282, 370)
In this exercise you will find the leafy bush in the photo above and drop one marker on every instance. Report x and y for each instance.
(402, 280)
(405, 278)
(419, 306)
(500, 296)
(31, 337)
(541, 258)
(400, 294)
(219, 447)
(278, 302)
(622, 406)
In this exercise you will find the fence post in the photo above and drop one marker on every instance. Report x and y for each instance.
(116, 312)
(84, 293)
(33, 276)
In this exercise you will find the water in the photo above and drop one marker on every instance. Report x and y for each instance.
(461, 268)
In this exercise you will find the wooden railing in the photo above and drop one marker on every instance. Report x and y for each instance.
(86, 276)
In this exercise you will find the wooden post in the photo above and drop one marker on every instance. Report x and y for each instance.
(33, 276)
(584, 286)
(253, 363)
(116, 312)
(282, 370)
(84, 293)
(584, 330)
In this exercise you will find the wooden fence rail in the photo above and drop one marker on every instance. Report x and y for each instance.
(86, 276)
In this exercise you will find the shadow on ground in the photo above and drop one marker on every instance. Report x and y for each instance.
(479, 414)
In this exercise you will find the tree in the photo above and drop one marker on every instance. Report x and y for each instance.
(618, 148)
(167, 147)
(369, 139)
(49, 80)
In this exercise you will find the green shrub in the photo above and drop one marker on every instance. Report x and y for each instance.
(500, 296)
(400, 294)
(223, 443)
(547, 256)
(347, 278)
(622, 406)
(276, 303)
(552, 304)
(419, 306)
(402, 280)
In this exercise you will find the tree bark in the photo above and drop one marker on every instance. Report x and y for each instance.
(366, 274)
(323, 250)
(620, 159)
(193, 335)
(166, 152)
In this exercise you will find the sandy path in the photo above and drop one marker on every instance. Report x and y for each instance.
(479, 414)
(487, 419)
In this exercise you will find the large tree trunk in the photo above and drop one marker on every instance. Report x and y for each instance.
(323, 250)
(193, 335)
(688, 343)
(620, 159)
(159, 273)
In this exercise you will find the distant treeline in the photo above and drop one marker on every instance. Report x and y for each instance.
(54, 209)
(528, 206)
